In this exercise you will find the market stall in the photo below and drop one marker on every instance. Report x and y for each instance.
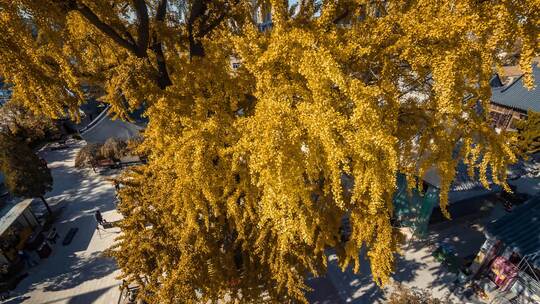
(17, 224)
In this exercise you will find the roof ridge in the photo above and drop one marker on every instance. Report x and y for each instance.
(511, 84)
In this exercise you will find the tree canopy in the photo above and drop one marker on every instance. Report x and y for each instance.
(528, 140)
(26, 174)
(24, 124)
(114, 148)
(88, 155)
(251, 169)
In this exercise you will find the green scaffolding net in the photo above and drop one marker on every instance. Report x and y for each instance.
(413, 208)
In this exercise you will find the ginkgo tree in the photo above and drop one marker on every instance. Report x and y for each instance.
(245, 185)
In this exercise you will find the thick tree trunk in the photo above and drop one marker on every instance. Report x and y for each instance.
(46, 204)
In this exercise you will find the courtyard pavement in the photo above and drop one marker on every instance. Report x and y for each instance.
(78, 272)
(415, 266)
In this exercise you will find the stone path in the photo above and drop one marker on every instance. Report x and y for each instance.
(415, 267)
(78, 272)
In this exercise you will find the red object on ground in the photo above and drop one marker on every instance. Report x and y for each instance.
(105, 163)
(504, 271)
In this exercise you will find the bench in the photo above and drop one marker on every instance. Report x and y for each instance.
(69, 236)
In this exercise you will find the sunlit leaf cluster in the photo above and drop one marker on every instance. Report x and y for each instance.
(251, 169)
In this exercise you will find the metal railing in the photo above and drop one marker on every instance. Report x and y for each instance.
(525, 265)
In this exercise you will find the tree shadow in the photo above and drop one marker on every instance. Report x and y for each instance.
(323, 291)
(83, 298)
(78, 193)
(89, 297)
(357, 288)
(415, 267)
(77, 270)
(406, 269)
(465, 235)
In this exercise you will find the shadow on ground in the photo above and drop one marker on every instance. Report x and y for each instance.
(71, 272)
(81, 269)
(77, 193)
(323, 291)
(347, 287)
(84, 298)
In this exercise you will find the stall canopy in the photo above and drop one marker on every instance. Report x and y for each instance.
(10, 213)
(520, 230)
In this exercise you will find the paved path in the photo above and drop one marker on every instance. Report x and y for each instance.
(415, 268)
(78, 272)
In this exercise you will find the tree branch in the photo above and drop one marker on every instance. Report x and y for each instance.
(103, 27)
(206, 26)
(161, 11)
(143, 27)
(163, 78)
(197, 10)
(341, 17)
(203, 32)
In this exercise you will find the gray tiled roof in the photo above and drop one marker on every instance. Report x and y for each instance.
(520, 230)
(516, 96)
(463, 187)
